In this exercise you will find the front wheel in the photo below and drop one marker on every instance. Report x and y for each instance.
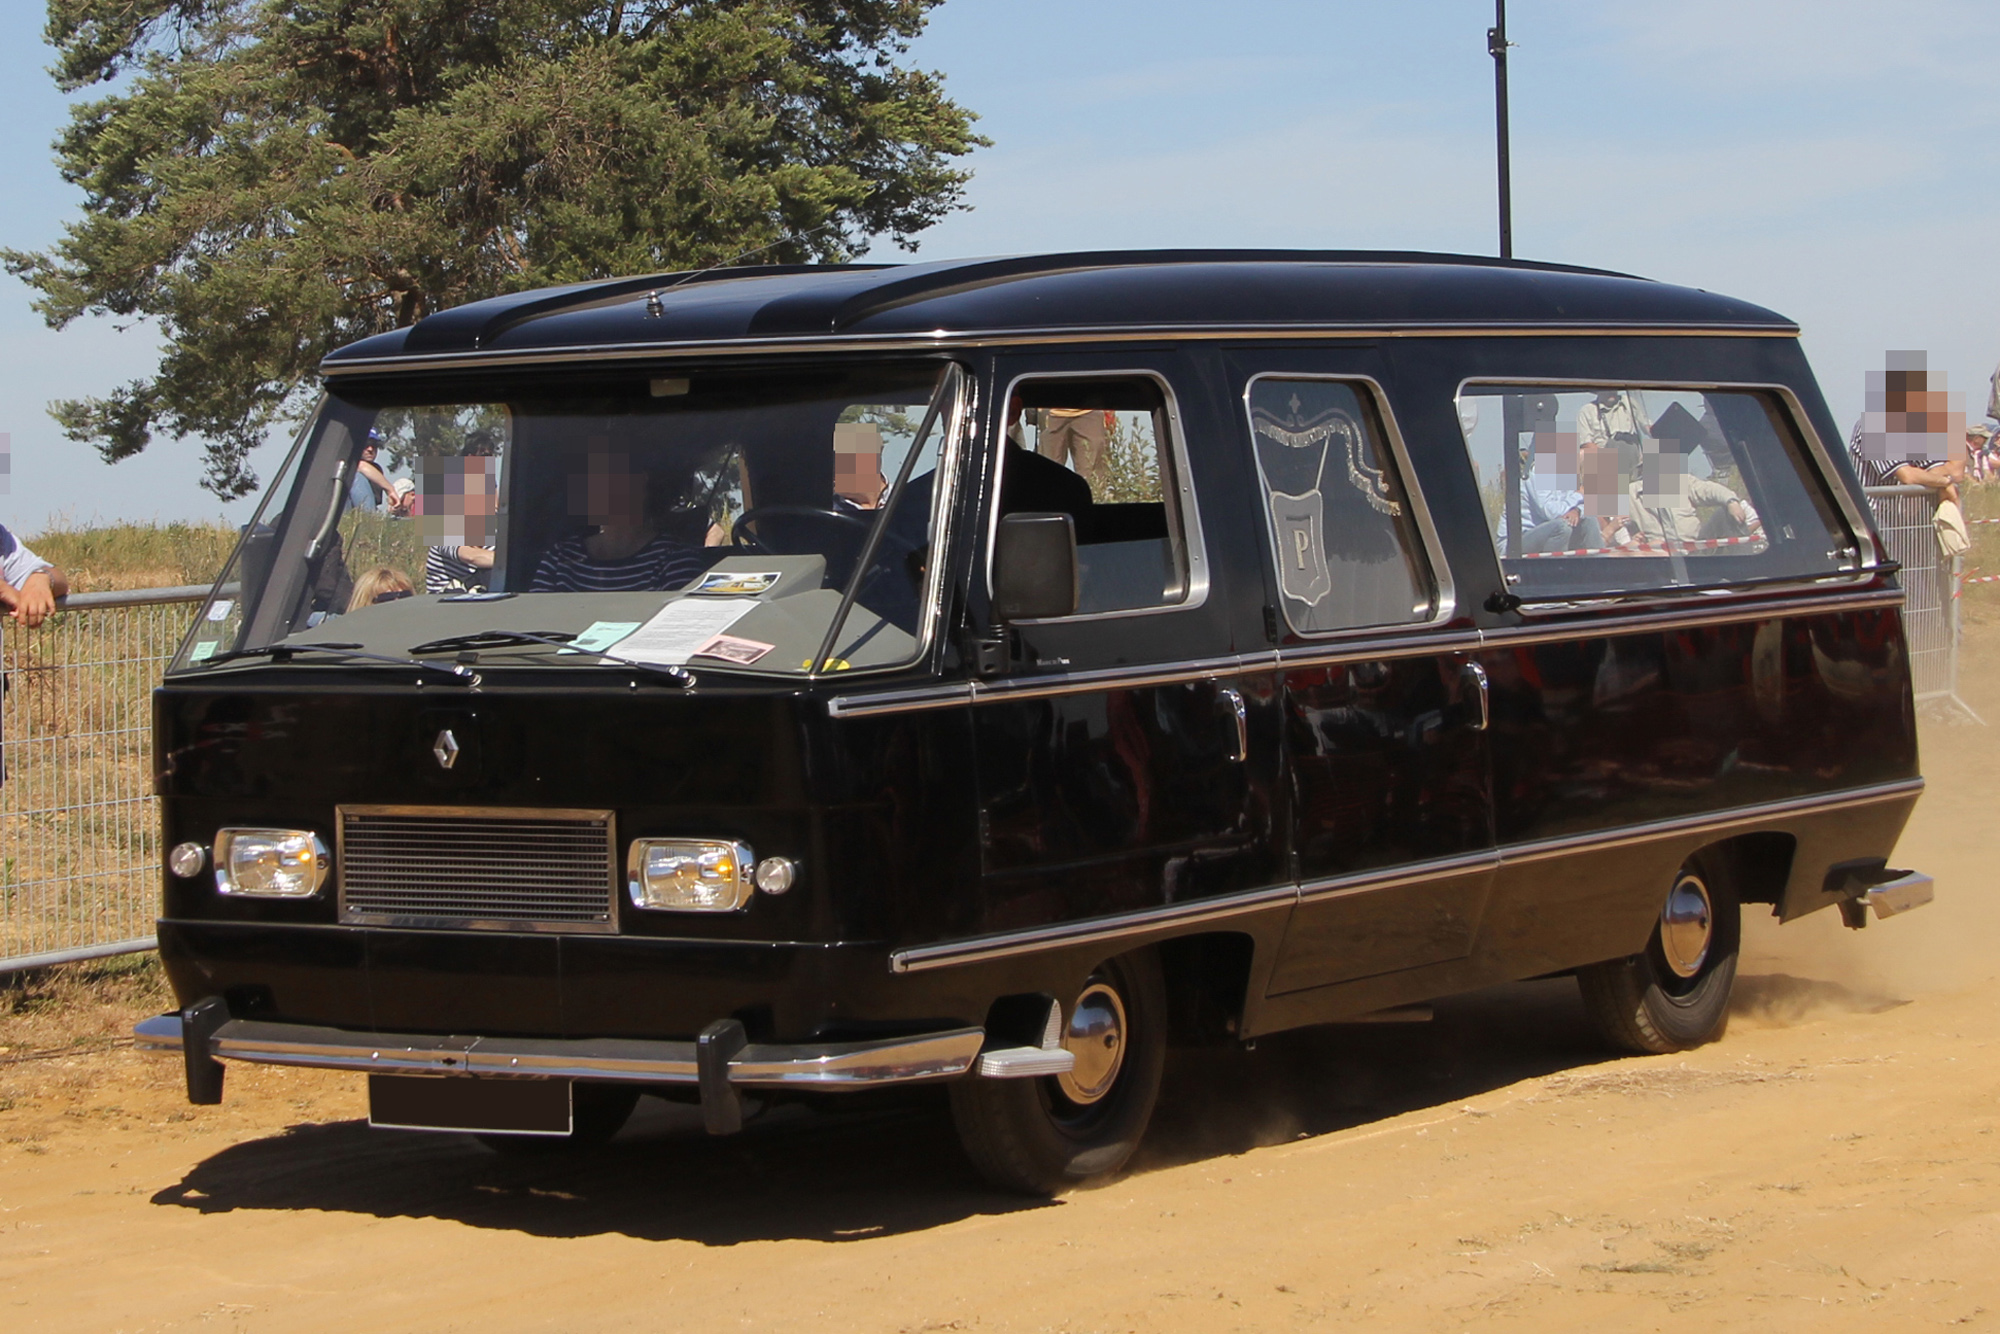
(1041, 1135)
(1676, 994)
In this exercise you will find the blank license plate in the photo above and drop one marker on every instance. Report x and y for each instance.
(501, 1106)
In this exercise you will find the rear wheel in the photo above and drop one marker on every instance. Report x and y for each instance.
(1675, 995)
(1041, 1135)
(597, 1112)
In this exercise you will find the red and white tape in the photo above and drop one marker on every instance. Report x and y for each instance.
(1647, 549)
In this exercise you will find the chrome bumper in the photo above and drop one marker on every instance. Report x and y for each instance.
(1911, 890)
(829, 1065)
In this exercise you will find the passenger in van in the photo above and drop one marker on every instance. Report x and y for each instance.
(1614, 420)
(1552, 508)
(627, 551)
(460, 499)
(384, 583)
(1668, 500)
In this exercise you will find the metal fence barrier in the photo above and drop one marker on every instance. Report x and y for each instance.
(1903, 515)
(79, 826)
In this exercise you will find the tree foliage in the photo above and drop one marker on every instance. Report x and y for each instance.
(269, 179)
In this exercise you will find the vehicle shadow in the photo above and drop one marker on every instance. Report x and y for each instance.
(856, 1169)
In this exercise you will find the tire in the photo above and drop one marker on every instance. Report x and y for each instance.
(1040, 1136)
(597, 1112)
(1673, 996)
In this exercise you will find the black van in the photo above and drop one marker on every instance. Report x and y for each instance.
(782, 681)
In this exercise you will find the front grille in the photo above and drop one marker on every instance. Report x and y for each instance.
(529, 870)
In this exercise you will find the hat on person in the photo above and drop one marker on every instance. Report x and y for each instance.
(1980, 429)
(402, 486)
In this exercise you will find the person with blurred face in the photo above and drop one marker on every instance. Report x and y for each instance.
(625, 549)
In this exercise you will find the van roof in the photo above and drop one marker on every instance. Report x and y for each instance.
(1186, 292)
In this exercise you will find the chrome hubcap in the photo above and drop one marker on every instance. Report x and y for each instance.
(1687, 926)
(1096, 1036)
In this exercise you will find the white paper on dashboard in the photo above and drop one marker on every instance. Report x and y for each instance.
(681, 627)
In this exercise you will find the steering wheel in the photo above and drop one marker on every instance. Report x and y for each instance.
(815, 513)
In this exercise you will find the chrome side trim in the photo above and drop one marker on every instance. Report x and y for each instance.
(828, 1065)
(1911, 890)
(1360, 882)
(977, 949)
(1716, 822)
(1683, 618)
(1416, 642)
(1082, 333)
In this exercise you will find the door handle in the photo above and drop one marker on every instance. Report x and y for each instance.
(1232, 699)
(1478, 675)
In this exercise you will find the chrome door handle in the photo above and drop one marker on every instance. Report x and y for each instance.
(1232, 699)
(1478, 675)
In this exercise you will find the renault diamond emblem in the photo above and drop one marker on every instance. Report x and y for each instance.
(446, 749)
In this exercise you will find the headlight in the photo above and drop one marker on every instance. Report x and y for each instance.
(269, 863)
(689, 875)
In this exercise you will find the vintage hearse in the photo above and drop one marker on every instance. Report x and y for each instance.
(796, 680)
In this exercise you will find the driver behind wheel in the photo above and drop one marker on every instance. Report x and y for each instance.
(625, 551)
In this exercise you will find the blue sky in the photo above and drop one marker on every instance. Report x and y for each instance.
(1837, 161)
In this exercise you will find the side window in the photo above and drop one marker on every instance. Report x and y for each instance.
(1101, 451)
(1342, 535)
(1616, 488)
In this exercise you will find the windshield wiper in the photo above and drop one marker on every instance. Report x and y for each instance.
(479, 639)
(284, 652)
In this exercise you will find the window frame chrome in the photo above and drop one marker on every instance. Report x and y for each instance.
(1190, 542)
(1860, 531)
(1444, 587)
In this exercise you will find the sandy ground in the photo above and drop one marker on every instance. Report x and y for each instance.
(1831, 1164)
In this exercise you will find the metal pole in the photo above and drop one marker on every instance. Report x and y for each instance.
(1496, 46)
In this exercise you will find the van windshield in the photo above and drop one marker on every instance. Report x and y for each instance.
(707, 519)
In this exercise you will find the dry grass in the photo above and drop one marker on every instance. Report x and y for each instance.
(136, 555)
(78, 1007)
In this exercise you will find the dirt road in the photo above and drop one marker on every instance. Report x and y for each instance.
(1831, 1164)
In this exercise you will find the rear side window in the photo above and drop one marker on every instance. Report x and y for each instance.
(1621, 488)
(1101, 450)
(1342, 537)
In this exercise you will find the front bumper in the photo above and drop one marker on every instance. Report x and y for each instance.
(826, 1066)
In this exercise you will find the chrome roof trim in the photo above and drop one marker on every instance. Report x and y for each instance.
(940, 339)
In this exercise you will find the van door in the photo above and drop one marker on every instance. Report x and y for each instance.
(1125, 762)
(1383, 706)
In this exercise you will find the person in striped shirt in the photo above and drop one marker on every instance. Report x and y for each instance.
(627, 551)
(1906, 437)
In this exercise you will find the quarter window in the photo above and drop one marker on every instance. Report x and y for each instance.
(1619, 488)
(1343, 542)
(1100, 450)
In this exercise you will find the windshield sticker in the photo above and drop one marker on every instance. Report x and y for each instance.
(737, 583)
(219, 611)
(600, 636)
(683, 627)
(729, 648)
(203, 650)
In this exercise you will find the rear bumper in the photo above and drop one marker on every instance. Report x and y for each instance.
(1912, 889)
(826, 1066)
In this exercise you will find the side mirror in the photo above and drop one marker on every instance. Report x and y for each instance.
(1034, 567)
